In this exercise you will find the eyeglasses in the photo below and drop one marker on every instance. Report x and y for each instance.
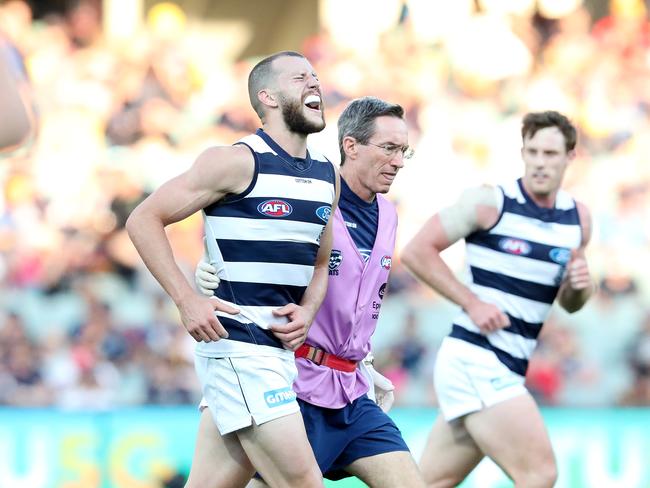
(390, 150)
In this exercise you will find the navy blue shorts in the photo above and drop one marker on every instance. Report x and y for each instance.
(341, 436)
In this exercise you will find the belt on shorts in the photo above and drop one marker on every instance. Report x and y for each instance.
(318, 356)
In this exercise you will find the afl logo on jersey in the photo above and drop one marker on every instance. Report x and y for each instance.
(386, 262)
(324, 212)
(515, 246)
(275, 208)
(560, 255)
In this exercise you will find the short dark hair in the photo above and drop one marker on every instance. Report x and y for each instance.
(259, 77)
(358, 119)
(535, 121)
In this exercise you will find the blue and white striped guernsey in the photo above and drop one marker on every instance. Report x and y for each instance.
(264, 241)
(518, 265)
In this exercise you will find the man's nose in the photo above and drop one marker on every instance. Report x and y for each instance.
(539, 160)
(398, 159)
(313, 82)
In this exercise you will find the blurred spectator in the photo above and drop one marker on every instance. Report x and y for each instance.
(639, 358)
(176, 480)
(559, 373)
(407, 363)
(409, 350)
(82, 324)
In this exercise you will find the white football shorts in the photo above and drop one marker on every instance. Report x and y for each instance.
(240, 390)
(468, 378)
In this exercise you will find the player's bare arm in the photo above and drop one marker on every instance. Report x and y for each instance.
(476, 209)
(294, 333)
(578, 286)
(216, 173)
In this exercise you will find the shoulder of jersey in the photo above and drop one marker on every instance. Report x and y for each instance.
(564, 201)
(511, 190)
(316, 154)
(256, 143)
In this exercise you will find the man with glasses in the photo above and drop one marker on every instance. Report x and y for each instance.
(350, 434)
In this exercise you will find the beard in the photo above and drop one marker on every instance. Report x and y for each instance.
(294, 118)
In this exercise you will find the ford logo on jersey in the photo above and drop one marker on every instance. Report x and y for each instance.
(275, 208)
(324, 212)
(515, 246)
(560, 255)
(386, 262)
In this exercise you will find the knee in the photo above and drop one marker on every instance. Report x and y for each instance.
(548, 475)
(308, 477)
(446, 483)
(448, 480)
(309, 480)
(543, 475)
(215, 481)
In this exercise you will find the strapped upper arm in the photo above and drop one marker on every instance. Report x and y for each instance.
(477, 208)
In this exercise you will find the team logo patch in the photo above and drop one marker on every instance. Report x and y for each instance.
(386, 262)
(382, 291)
(275, 208)
(560, 255)
(336, 257)
(515, 246)
(324, 212)
(275, 398)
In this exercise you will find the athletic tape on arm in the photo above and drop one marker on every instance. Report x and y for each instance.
(461, 219)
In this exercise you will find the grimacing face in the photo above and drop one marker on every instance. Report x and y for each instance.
(299, 95)
(545, 162)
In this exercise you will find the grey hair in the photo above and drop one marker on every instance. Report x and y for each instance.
(358, 119)
(260, 75)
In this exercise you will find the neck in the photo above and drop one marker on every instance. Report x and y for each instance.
(541, 200)
(295, 144)
(355, 184)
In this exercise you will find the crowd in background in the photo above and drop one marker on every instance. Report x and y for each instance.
(84, 325)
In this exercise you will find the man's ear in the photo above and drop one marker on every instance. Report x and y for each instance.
(267, 98)
(350, 147)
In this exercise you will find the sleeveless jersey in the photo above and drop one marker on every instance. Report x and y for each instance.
(264, 241)
(349, 313)
(518, 265)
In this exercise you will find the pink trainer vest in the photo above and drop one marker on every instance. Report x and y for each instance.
(348, 316)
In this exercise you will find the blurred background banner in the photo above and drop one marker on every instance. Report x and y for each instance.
(137, 448)
(126, 93)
